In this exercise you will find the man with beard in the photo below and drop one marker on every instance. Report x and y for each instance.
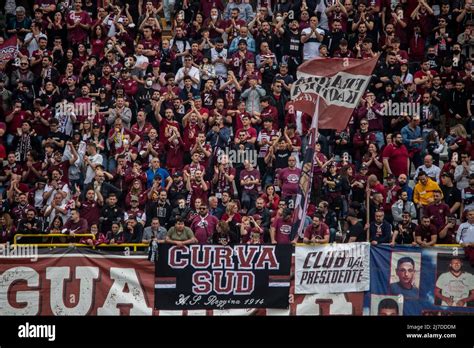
(150, 146)
(31, 224)
(22, 208)
(395, 157)
(90, 207)
(265, 215)
(402, 206)
(110, 213)
(292, 48)
(455, 288)
(197, 186)
(317, 232)
(380, 231)
(424, 76)
(177, 189)
(281, 228)
(426, 233)
(406, 274)
(403, 183)
(430, 114)
(160, 209)
(83, 104)
(78, 24)
(334, 37)
(404, 233)
(204, 224)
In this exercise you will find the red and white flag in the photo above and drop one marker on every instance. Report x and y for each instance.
(338, 82)
(328, 89)
(9, 49)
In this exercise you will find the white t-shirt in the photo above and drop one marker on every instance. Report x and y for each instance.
(455, 287)
(193, 72)
(90, 172)
(311, 47)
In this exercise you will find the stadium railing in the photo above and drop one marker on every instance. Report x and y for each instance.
(18, 236)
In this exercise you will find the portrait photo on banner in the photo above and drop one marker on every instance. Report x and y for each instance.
(454, 286)
(386, 305)
(405, 270)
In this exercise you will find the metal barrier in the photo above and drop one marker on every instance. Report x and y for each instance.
(62, 245)
(20, 235)
(124, 245)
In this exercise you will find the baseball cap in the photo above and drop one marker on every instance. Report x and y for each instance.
(177, 174)
(156, 64)
(243, 41)
(390, 176)
(364, 166)
(470, 23)
(133, 198)
(95, 125)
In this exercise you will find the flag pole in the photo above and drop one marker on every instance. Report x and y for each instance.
(306, 178)
(367, 213)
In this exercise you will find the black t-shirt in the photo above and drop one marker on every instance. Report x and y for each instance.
(405, 236)
(292, 45)
(451, 195)
(357, 231)
(281, 158)
(58, 136)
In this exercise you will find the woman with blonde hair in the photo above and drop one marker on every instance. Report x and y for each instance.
(7, 229)
(457, 140)
(231, 214)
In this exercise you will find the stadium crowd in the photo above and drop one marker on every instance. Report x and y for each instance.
(169, 121)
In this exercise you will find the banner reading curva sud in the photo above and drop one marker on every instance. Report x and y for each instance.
(222, 277)
(332, 268)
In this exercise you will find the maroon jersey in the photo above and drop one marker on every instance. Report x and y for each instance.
(289, 181)
(141, 132)
(78, 34)
(204, 227)
(191, 168)
(426, 232)
(282, 230)
(90, 210)
(252, 175)
(198, 192)
(319, 232)
(190, 135)
(175, 156)
(223, 185)
(437, 213)
(270, 112)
